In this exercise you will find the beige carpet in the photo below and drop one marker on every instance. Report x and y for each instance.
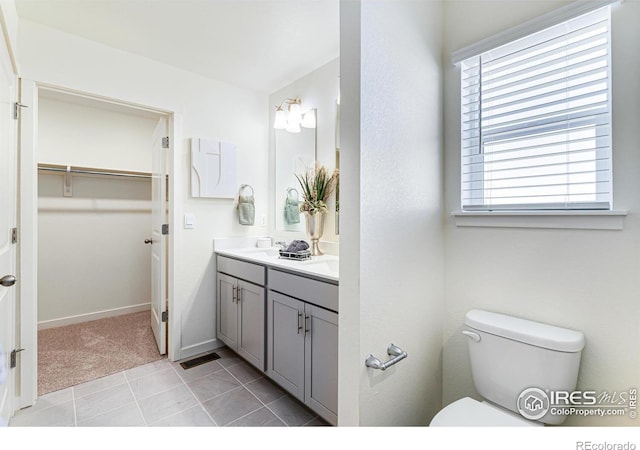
(82, 352)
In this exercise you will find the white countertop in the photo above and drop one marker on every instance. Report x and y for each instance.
(323, 266)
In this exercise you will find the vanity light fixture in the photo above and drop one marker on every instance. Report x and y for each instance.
(292, 121)
(293, 126)
(309, 119)
(280, 122)
(295, 116)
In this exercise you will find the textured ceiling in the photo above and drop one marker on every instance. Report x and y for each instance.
(257, 44)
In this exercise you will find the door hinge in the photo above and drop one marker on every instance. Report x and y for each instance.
(16, 109)
(165, 142)
(13, 357)
(14, 235)
(165, 228)
(165, 316)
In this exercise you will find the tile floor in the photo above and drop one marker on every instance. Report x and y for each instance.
(224, 392)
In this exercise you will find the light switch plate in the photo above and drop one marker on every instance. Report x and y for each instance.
(189, 221)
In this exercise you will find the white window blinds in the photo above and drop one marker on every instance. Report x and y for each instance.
(535, 116)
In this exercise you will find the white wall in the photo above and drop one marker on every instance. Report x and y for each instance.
(87, 134)
(319, 89)
(587, 280)
(349, 354)
(92, 260)
(206, 108)
(391, 254)
(9, 17)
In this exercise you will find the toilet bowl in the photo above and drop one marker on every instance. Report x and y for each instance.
(514, 362)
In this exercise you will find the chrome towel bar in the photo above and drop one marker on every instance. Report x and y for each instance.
(393, 350)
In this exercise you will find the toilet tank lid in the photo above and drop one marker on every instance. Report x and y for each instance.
(527, 331)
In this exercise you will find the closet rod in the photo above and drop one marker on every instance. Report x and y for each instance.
(96, 172)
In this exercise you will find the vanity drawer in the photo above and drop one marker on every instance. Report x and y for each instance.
(317, 292)
(254, 273)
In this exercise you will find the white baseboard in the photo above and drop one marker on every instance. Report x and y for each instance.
(199, 348)
(92, 316)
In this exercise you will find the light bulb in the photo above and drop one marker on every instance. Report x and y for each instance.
(295, 116)
(309, 119)
(293, 127)
(280, 122)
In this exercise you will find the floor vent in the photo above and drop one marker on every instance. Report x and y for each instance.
(199, 360)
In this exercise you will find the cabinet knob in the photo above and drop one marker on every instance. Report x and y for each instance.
(8, 280)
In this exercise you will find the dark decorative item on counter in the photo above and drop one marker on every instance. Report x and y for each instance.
(246, 207)
(297, 250)
(297, 246)
(317, 187)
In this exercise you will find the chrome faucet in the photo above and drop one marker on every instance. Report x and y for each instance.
(282, 244)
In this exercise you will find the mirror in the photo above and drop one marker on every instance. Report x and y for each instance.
(295, 153)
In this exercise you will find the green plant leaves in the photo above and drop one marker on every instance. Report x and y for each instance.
(317, 186)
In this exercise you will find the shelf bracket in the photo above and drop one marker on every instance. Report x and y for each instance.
(68, 187)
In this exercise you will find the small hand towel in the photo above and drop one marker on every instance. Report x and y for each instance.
(292, 207)
(246, 207)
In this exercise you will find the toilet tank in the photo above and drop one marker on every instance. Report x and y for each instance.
(509, 355)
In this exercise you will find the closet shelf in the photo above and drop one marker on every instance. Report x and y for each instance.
(93, 171)
(68, 171)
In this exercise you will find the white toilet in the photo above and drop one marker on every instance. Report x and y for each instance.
(514, 364)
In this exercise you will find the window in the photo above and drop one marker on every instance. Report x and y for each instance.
(536, 120)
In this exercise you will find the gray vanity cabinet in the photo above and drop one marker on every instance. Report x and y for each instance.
(227, 310)
(241, 309)
(285, 342)
(302, 340)
(321, 362)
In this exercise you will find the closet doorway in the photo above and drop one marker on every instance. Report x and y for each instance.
(102, 266)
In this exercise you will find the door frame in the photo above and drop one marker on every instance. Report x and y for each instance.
(8, 402)
(27, 323)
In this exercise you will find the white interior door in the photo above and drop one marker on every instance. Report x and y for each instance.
(8, 153)
(158, 239)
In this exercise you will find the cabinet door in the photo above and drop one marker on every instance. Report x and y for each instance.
(321, 362)
(251, 318)
(285, 345)
(227, 311)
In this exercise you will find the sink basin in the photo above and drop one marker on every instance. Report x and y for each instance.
(260, 252)
(331, 266)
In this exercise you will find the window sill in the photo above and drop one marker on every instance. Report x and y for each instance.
(577, 220)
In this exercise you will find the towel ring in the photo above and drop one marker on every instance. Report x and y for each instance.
(243, 186)
(297, 197)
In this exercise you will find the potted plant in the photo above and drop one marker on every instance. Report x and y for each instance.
(317, 186)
